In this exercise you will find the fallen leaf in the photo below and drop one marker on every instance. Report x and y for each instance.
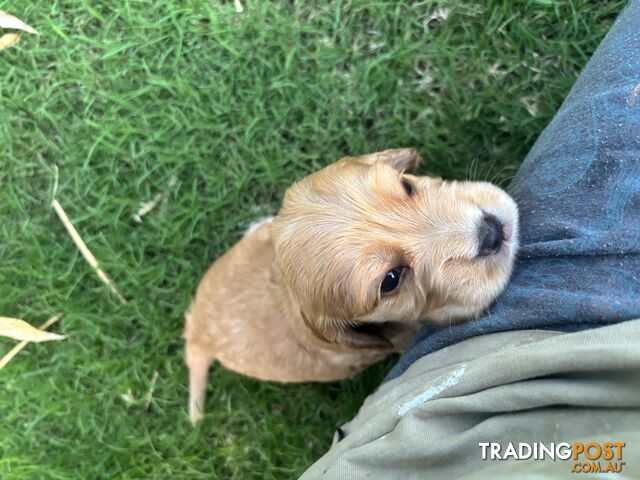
(9, 40)
(9, 21)
(4, 361)
(21, 330)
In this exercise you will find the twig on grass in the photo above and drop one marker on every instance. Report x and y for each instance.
(84, 250)
(56, 178)
(15, 350)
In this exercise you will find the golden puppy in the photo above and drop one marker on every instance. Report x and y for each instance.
(358, 254)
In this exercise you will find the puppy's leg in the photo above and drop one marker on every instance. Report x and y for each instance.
(198, 364)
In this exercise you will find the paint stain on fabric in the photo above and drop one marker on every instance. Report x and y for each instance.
(442, 383)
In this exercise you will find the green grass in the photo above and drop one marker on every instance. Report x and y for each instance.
(235, 106)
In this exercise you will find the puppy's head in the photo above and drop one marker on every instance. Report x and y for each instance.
(363, 244)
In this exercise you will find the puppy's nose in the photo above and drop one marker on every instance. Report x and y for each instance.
(491, 235)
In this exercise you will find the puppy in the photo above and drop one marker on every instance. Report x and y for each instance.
(359, 253)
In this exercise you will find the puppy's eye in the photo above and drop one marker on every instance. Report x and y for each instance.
(391, 280)
(408, 186)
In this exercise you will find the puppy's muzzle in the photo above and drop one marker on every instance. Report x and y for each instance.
(491, 235)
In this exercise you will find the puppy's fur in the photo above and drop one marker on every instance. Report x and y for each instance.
(299, 298)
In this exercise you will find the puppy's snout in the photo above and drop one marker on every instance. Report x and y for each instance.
(490, 235)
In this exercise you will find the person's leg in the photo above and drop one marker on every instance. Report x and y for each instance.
(520, 386)
(527, 379)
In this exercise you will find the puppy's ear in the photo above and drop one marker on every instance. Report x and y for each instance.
(364, 336)
(369, 336)
(403, 159)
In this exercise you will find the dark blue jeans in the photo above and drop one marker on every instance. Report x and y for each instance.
(578, 192)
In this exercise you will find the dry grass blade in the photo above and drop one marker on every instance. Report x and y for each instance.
(9, 40)
(152, 388)
(84, 250)
(146, 207)
(15, 350)
(128, 397)
(160, 198)
(21, 330)
(9, 21)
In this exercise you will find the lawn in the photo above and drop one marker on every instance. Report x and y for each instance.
(217, 112)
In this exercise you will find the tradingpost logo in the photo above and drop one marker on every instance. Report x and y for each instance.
(593, 457)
